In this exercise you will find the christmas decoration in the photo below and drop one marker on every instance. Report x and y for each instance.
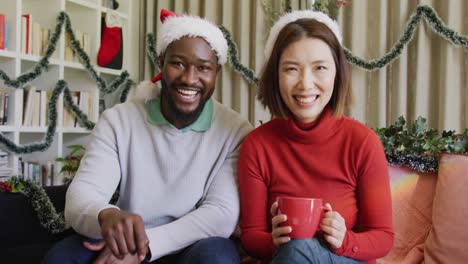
(434, 21)
(419, 147)
(11, 186)
(110, 54)
(122, 82)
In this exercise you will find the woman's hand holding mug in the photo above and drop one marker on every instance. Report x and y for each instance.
(278, 232)
(333, 226)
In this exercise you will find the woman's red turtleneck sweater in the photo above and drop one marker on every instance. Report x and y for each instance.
(337, 159)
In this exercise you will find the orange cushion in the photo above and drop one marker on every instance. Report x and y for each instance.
(412, 195)
(448, 238)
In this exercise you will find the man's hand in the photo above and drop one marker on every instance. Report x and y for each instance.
(123, 233)
(106, 256)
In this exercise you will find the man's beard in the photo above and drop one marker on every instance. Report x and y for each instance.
(176, 112)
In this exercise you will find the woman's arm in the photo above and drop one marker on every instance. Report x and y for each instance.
(256, 234)
(373, 237)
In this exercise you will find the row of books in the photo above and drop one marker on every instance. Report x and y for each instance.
(83, 39)
(4, 106)
(5, 171)
(34, 37)
(86, 103)
(36, 108)
(41, 174)
(3, 32)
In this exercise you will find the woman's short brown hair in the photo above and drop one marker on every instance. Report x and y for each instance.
(269, 94)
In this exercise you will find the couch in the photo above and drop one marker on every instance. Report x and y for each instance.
(22, 238)
(430, 213)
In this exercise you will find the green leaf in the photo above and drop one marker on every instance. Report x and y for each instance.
(67, 168)
(400, 122)
(76, 147)
(419, 125)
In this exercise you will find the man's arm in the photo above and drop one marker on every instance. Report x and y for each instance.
(95, 181)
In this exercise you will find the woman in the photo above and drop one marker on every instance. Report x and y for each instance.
(311, 150)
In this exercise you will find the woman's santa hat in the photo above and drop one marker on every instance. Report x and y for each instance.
(175, 27)
(294, 16)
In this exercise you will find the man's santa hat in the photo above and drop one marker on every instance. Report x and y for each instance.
(173, 28)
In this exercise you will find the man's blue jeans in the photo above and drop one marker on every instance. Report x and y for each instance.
(209, 250)
(305, 251)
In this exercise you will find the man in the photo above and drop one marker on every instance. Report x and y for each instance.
(175, 158)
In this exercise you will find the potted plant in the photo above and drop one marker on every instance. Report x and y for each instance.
(71, 162)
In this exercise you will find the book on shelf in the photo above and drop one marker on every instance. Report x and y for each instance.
(83, 104)
(36, 41)
(6, 38)
(35, 107)
(2, 31)
(44, 39)
(44, 104)
(28, 104)
(40, 174)
(5, 171)
(26, 33)
(35, 120)
(6, 102)
(68, 115)
(68, 49)
(2, 109)
(85, 43)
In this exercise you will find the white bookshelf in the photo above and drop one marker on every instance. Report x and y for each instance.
(85, 16)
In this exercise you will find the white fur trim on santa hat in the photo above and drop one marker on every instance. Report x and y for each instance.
(176, 27)
(296, 15)
(146, 91)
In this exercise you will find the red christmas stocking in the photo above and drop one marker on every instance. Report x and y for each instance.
(110, 53)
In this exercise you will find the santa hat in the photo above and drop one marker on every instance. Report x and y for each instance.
(294, 16)
(175, 27)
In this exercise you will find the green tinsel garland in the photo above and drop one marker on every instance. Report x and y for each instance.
(47, 215)
(151, 49)
(437, 25)
(248, 73)
(418, 163)
(123, 80)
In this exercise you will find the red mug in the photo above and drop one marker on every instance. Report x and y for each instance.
(303, 215)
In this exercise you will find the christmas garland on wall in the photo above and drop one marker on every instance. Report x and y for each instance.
(422, 11)
(434, 21)
(123, 81)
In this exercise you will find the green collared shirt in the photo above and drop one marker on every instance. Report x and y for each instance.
(202, 123)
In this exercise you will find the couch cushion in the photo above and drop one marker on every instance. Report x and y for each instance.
(19, 221)
(448, 238)
(412, 195)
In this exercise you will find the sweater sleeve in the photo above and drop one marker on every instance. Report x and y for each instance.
(373, 237)
(95, 181)
(256, 233)
(216, 216)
